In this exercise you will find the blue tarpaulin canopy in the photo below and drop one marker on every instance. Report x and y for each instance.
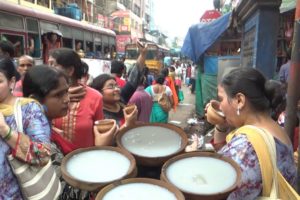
(201, 36)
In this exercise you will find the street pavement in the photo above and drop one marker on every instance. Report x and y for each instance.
(185, 111)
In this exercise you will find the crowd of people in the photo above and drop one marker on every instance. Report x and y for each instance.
(59, 113)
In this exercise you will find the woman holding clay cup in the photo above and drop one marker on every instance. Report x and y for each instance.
(216, 117)
(105, 131)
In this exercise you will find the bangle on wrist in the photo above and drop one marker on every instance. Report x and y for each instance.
(8, 135)
(221, 130)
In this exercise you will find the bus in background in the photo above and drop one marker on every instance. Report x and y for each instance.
(26, 28)
(175, 54)
(154, 58)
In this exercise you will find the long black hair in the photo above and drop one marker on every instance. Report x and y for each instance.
(99, 81)
(7, 67)
(40, 80)
(253, 85)
(68, 58)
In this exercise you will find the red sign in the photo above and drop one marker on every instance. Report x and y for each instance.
(210, 15)
(124, 28)
(121, 41)
(120, 13)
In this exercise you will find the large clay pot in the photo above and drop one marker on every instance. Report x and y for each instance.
(90, 183)
(150, 182)
(196, 179)
(160, 133)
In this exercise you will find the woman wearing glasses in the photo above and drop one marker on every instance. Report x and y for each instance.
(114, 98)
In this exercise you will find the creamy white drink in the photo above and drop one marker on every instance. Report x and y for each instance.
(139, 191)
(201, 175)
(98, 166)
(151, 141)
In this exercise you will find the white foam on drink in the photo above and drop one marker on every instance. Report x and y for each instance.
(151, 141)
(139, 191)
(98, 166)
(201, 175)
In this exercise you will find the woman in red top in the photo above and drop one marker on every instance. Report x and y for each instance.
(76, 129)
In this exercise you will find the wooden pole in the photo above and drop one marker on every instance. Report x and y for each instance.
(298, 150)
(293, 93)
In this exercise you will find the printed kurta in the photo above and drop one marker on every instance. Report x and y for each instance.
(240, 150)
(36, 127)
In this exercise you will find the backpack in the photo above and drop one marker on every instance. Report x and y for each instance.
(164, 101)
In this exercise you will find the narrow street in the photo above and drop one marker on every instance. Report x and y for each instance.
(185, 109)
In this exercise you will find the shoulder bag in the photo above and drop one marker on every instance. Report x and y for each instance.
(35, 182)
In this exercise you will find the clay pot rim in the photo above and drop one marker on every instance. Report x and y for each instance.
(106, 121)
(129, 107)
(216, 110)
(176, 129)
(94, 185)
(203, 154)
(156, 182)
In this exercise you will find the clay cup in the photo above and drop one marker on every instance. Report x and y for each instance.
(129, 109)
(214, 114)
(104, 125)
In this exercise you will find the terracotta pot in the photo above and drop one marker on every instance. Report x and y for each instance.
(172, 189)
(95, 186)
(214, 114)
(129, 108)
(153, 161)
(192, 196)
(104, 125)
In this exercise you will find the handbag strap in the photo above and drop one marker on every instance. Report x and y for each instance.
(270, 144)
(18, 115)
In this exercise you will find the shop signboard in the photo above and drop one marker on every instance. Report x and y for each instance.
(209, 16)
(121, 41)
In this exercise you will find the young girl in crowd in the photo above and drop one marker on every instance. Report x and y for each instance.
(76, 129)
(49, 86)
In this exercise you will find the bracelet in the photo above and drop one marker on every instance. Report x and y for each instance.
(8, 135)
(221, 130)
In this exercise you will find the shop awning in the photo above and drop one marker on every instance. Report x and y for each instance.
(201, 36)
(287, 5)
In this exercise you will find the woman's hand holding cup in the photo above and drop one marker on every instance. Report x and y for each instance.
(104, 131)
(215, 116)
(130, 114)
